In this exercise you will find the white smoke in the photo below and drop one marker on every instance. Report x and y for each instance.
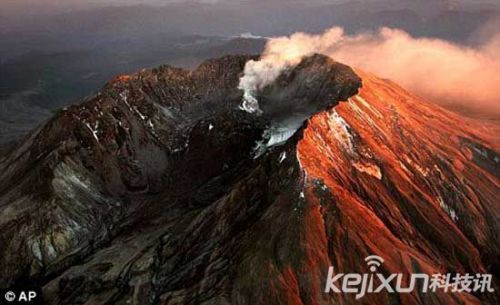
(279, 54)
(440, 70)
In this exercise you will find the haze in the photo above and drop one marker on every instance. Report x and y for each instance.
(55, 52)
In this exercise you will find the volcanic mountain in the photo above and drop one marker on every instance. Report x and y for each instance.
(160, 189)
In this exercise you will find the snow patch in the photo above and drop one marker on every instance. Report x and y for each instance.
(143, 117)
(401, 164)
(280, 135)
(423, 171)
(124, 96)
(449, 210)
(93, 131)
(341, 131)
(282, 157)
(363, 114)
(368, 106)
(274, 136)
(368, 168)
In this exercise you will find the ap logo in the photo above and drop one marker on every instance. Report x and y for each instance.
(10, 296)
(21, 296)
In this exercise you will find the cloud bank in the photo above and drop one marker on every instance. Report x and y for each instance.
(441, 71)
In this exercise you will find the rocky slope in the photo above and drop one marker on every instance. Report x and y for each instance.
(161, 190)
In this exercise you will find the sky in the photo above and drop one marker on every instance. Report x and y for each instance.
(20, 5)
(14, 7)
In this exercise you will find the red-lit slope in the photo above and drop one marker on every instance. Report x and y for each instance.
(407, 181)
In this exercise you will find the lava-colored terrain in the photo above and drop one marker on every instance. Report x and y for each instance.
(406, 180)
(161, 190)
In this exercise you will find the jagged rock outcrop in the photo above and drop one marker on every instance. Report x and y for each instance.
(161, 190)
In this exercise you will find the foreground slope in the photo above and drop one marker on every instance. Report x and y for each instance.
(160, 190)
(406, 180)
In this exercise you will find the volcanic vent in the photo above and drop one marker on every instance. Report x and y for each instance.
(161, 190)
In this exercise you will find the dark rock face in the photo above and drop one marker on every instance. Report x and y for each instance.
(160, 190)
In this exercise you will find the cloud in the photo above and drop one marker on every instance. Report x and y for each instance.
(436, 69)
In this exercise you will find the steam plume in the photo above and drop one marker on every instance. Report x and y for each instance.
(437, 69)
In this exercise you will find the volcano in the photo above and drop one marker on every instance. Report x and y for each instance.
(160, 189)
